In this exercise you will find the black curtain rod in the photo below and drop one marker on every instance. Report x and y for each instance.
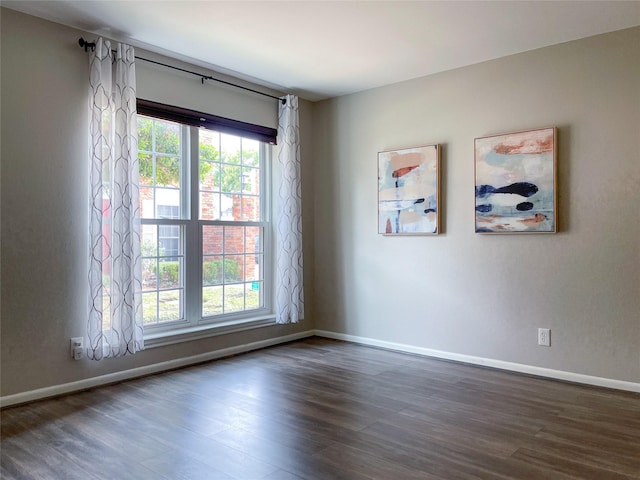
(92, 45)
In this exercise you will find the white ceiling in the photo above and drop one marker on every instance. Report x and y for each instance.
(320, 49)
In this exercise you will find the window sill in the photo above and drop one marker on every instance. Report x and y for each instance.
(188, 334)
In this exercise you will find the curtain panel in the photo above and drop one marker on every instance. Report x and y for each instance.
(289, 285)
(114, 326)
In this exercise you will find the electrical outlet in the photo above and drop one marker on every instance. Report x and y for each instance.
(77, 348)
(544, 337)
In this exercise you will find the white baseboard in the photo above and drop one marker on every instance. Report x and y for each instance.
(487, 362)
(84, 384)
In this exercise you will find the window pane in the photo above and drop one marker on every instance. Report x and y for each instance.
(230, 148)
(250, 152)
(252, 239)
(167, 137)
(159, 167)
(145, 134)
(253, 271)
(162, 272)
(233, 298)
(149, 237)
(209, 206)
(168, 211)
(211, 301)
(251, 181)
(149, 308)
(145, 169)
(147, 209)
(168, 171)
(253, 297)
(169, 305)
(233, 268)
(250, 209)
(231, 178)
(149, 275)
(226, 208)
(212, 238)
(212, 270)
(169, 273)
(233, 240)
(233, 256)
(209, 142)
(169, 243)
(166, 198)
(235, 172)
(209, 176)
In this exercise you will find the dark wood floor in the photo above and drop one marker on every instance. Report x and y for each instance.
(322, 409)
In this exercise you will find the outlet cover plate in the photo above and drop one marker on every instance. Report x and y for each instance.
(544, 337)
(75, 343)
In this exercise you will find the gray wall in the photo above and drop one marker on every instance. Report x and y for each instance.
(484, 295)
(458, 292)
(45, 197)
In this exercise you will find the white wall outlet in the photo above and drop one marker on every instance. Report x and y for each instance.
(544, 337)
(77, 348)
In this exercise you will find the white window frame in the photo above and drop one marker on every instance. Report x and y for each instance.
(194, 325)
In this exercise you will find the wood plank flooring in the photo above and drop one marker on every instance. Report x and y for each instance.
(323, 409)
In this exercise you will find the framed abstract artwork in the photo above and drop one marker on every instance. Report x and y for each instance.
(409, 191)
(515, 175)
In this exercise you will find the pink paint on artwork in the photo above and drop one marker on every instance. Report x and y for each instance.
(542, 145)
(401, 160)
(403, 171)
(535, 220)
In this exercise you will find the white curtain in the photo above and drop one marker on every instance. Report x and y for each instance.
(289, 291)
(115, 310)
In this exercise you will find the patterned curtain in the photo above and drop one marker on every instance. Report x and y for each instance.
(115, 310)
(289, 291)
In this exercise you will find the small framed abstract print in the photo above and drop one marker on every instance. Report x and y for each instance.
(515, 176)
(409, 191)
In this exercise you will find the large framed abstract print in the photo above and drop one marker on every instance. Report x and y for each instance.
(515, 176)
(409, 191)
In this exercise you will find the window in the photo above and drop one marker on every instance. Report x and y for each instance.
(205, 231)
(169, 235)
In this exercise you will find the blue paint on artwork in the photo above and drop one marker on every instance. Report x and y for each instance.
(405, 180)
(484, 190)
(524, 206)
(524, 189)
(515, 189)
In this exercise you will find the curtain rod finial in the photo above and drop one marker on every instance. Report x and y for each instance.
(87, 45)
